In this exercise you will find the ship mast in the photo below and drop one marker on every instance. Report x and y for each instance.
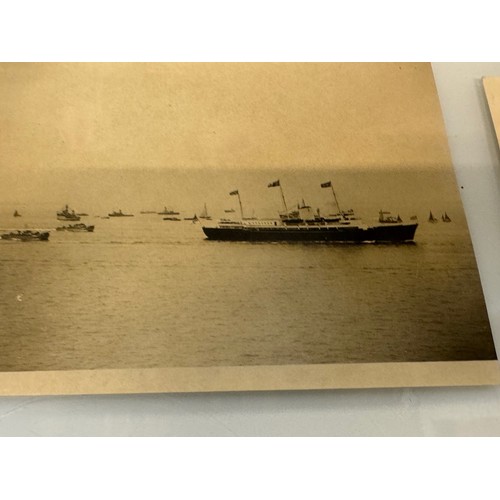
(329, 185)
(237, 193)
(277, 184)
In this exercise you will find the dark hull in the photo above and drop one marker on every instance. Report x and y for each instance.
(88, 229)
(342, 234)
(26, 236)
(68, 218)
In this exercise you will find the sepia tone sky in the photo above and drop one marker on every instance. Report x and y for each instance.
(124, 115)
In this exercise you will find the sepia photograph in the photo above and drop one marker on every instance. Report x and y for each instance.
(211, 215)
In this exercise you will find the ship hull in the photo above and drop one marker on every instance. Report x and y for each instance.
(394, 233)
(26, 236)
(68, 218)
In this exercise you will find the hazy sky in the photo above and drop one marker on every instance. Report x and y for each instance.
(219, 115)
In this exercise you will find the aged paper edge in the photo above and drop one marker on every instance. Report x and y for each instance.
(254, 378)
(489, 90)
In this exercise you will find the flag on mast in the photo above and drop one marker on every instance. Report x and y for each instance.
(274, 184)
(326, 184)
(234, 193)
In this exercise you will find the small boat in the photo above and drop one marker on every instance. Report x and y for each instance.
(445, 218)
(16, 214)
(167, 211)
(171, 218)
(413, 217)
(66, 215)
(194, 218)
(230, 211)
(144, 212)
(204, 213)
(83, 215)
(432, 219)
(26, 235)
(119, 214)
(76, 228)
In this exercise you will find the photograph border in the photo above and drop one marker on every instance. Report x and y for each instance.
(251, 378)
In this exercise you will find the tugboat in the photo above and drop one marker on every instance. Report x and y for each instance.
(67, 215)
(26, 235)
(119, 214)
(304, 224)
(77, 228)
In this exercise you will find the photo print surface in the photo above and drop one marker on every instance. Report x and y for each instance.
(230, 215)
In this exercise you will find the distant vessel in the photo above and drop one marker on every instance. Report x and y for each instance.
(144, 212)
(167, 211)
(230, 211)
(76, 228)
(26, 235)
(204, 213)
(304, 224)
(194, 218)
(16, 214)
(432, 219)
(445, 218)
(67, 215)
(83, 215)
(119, 214)
(171, 218)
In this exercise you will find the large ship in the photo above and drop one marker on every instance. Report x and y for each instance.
(304, 224)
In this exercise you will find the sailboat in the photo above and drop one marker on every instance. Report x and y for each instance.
(16, 214)
(445, 218)
(432, 218)
(204, 214)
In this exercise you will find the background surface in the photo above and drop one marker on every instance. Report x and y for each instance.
(392, 412)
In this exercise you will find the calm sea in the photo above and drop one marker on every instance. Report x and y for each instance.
(143, 292)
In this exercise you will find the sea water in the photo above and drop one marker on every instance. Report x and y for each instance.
(144, 292)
